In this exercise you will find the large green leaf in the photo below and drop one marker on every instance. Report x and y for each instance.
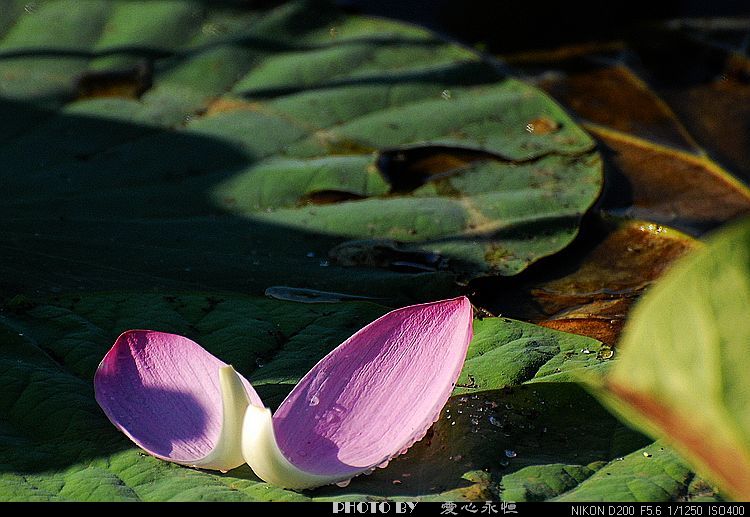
(682, 372)
(495, 439)
(191, 144)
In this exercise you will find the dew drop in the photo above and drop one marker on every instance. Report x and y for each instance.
(474, 421)
(343, 484)
(509, 453)
(647, 454)
(323, 263)
(542, 126)
(396, 481)
(494, 421)
(223, 471)
(446, 94)
(585, 351)
(384, 464)
(314, 401)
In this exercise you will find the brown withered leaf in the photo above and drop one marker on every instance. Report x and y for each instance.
(685, 190)
(591, 290)
(608, 93)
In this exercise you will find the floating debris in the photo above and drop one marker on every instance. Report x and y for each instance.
(301, 295)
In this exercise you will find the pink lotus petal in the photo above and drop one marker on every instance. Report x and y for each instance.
(365, 402)
(174, 399)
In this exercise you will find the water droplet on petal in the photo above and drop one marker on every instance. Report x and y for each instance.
(223, 471)
(384, 464)
(343, 484)
(314, 401)
(509, 453)
(585, 351)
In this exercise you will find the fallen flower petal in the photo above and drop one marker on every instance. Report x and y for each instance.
(364, 403)
(174, 399)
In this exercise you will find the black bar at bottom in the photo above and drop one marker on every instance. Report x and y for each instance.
(504, 509)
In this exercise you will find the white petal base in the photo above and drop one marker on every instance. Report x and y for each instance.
(227, 453)
(262, 453)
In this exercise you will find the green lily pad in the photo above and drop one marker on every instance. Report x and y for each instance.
(212, 146)
(681, 373)
(496, 439)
